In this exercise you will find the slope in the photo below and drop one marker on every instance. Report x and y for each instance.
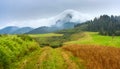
(22, 30)
(94, 38)
(8, 30)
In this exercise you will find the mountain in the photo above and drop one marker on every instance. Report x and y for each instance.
(23, 30)
(43, 29)
(66, 20)
(71, 16)
(15, 30)
(8, 30)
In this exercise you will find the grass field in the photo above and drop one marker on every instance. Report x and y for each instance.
(94, 38)
(45, 35)
(86, 50)
(49, 58)
(49, 39)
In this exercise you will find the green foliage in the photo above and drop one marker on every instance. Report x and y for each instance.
(14, 47)
(25, 37)
(54, 42)
(56, 39)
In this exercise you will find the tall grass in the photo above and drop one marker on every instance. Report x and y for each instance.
(96, 57)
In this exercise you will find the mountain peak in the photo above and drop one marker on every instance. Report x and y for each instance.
(71, 16)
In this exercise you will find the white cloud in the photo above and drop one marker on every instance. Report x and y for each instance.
(77, 17)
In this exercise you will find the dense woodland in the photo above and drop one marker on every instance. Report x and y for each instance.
(105, 25)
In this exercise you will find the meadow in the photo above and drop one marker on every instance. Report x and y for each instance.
(45, 35)
(93, 38)
(50, 39)
(83, 50)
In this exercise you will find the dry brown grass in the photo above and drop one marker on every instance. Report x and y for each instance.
(96, 57)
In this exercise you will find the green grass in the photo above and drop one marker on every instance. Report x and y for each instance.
(94, 38)
(49, 58)
(49, 39)
(45, 35)
(23, 52)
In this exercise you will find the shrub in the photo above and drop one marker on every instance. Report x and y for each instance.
(13, 48)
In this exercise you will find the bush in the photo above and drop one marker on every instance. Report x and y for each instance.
(25, 37)
(13, 48)
(56, 44)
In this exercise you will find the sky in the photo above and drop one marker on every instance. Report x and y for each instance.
(36, 13)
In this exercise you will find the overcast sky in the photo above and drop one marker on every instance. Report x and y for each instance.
(35, 12)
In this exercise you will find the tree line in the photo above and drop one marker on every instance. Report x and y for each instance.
(105, 25)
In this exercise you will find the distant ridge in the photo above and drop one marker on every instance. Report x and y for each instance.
(15, 30)
(9, 30)
(23, 30)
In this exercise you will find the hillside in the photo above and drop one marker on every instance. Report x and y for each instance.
(93, 38)
(8, 30)
(22, 30)
(15, 30)
(13, 48)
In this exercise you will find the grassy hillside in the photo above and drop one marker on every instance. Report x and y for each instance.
(13, 48)
(94, 38)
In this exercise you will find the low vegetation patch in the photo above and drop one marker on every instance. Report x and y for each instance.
(50, 39)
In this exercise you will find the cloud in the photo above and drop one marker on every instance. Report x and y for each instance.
(31, 23)
(24, 12)
(77, 17)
